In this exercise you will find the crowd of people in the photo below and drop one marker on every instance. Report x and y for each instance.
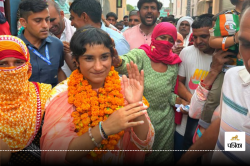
(79, 87)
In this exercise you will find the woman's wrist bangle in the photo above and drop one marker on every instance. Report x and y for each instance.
(224, 44)
(234, 39)
(100, 129)
(199, 132)
(92, 138)
(103, 132)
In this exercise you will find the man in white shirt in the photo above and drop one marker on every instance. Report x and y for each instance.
(61, 28)
(196, 60)
(233, 114)
(184, 28)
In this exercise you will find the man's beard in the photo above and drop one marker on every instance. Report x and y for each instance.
(144, 22)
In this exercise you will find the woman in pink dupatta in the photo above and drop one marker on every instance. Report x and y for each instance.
(93, 50)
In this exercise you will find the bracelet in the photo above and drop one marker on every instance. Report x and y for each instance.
(100, 129)
(234, 39)
(223, 44)
(208, 87)
(92, 138)
(120, 63)
(199, 132)
(103, 132)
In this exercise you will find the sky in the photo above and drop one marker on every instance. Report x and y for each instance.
(134, 2)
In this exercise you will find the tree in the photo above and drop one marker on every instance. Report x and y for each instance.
(130, 7)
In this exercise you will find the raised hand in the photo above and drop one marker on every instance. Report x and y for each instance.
(134, 85)
(105, 21)
(123, 118)
(219, 59)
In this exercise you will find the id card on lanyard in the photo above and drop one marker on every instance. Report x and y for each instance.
(46, 59)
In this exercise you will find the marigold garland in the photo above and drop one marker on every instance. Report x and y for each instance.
(92, 108)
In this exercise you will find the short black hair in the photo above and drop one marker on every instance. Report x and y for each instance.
(111, 14)
(89, 35)
(141, 2)
(194, 17)
(204, 20)
(171, 15)
(167, 19)
(126, 16)
(27, 7)
(91, 7)
(234, 2)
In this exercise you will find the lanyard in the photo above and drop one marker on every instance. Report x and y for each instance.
(47, 59)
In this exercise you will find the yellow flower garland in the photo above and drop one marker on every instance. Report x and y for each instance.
(92, 108)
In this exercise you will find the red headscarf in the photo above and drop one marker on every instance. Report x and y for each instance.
(11, 46)
(159, 50)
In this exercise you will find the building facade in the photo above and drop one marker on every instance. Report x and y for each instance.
(180, 8)
(193, 7)
(111, 6)
(198, 7)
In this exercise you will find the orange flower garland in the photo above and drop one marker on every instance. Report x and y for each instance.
(92, 108)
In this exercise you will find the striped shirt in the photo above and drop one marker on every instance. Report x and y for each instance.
(235, 116)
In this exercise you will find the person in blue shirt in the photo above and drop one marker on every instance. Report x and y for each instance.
(46, 52)
(89, 12)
